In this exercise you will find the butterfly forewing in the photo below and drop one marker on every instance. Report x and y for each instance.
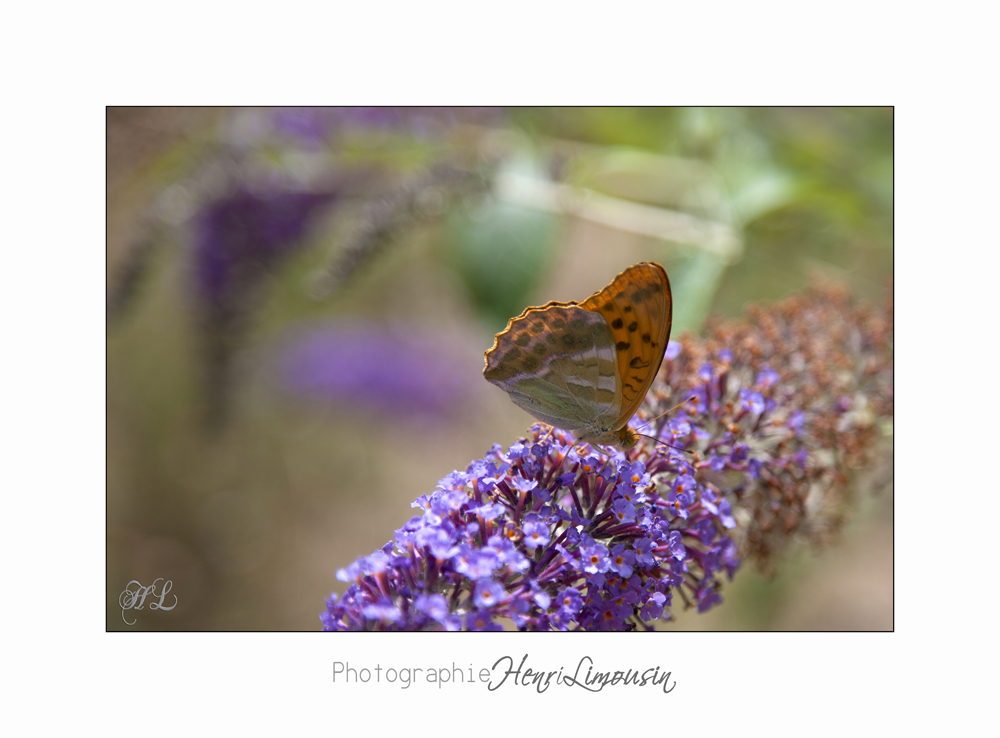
(558, 363)
(637, 307)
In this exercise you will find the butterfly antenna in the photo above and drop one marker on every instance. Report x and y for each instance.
(665, 413)
(657, 440)
(664, 443)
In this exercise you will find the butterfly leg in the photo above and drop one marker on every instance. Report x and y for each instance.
(601, 450)
(608, 459)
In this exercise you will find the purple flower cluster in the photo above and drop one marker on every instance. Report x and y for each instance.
(775, 412)
(549, 535)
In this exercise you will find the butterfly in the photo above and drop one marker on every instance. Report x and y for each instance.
(585, 367)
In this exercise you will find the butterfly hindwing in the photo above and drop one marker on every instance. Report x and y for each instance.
(558, 363)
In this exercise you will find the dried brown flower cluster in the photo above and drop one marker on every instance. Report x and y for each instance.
(788, 471)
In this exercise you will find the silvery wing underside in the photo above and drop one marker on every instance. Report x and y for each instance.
(558, 363)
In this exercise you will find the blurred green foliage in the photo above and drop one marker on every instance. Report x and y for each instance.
(808, 190)
(811, 188)
(502, 252)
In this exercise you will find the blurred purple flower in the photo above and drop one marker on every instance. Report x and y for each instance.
(410, 372)
(312, 125)
(240, 237)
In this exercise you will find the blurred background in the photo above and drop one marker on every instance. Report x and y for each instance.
(299, 300)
